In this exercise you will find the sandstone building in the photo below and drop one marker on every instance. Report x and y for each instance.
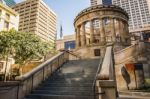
(113, 28)
(8, 18)
(68, 43)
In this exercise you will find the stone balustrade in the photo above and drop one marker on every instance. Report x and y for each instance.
(106, 81)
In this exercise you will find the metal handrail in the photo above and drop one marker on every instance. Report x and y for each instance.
(94, 82)
(77, 56)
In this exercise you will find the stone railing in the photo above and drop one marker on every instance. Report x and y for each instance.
(130, 53)
(26, 83)
(73, 56)
(106, 81)
(126, 54)
(147, 46)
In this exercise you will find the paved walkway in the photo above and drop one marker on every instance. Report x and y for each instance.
(133, 95)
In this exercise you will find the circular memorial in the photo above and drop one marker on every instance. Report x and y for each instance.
(101, 24)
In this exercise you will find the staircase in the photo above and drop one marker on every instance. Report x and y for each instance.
(73, 81)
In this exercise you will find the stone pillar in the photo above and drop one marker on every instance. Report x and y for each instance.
(102, 31)
(83, 41)
(78, 40)
(127, 37)
(113, 31)
(107, 88)
(120, 27)
(91, 32)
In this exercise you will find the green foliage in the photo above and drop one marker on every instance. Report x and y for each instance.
(22, 46)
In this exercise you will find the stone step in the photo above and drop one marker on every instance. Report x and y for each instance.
(71, 78)
(67, 85)
(70, 81)
(45, 96)
(84, 60)
(65, 92)
(73, 81)
(65, 88)
(72, 74)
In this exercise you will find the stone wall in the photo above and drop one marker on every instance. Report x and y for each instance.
(88, 52)
(130, 67)
(123, 57)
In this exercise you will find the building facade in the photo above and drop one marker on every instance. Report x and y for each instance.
(139, 13)
(107, 2)
(104, 2)
(8, 18)
(36, 17)
(95, 2)
(67, 43)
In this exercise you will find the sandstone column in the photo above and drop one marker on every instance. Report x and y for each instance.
(78, 40)
(102, 31)
(122, 31)
(91, 32)
(113, 31)
(127, 33)
(119, 30)
(83, 41)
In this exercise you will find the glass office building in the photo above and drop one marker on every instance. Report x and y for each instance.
(106, 2)
(9, 2)
(69, 45)
(138, 10)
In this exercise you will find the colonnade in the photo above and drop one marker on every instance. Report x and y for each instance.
(118, 32)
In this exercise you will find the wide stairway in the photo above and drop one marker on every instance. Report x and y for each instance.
(73, 81)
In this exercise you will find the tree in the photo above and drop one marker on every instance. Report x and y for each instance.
(6, 46)
(22, 46)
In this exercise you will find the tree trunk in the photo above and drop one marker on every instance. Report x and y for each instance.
(5, 76)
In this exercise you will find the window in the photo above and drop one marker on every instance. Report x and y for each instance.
(97, 52)
(6, 25)
(7, 16)
(1, 66)
(0, 12)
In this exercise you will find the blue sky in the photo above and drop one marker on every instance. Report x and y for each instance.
(66, 11)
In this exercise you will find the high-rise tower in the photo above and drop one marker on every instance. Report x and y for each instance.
(104, 2)
(36, 17)
(95, 2)
(139, 12)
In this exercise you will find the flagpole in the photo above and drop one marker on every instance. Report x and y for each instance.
(61, 32)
